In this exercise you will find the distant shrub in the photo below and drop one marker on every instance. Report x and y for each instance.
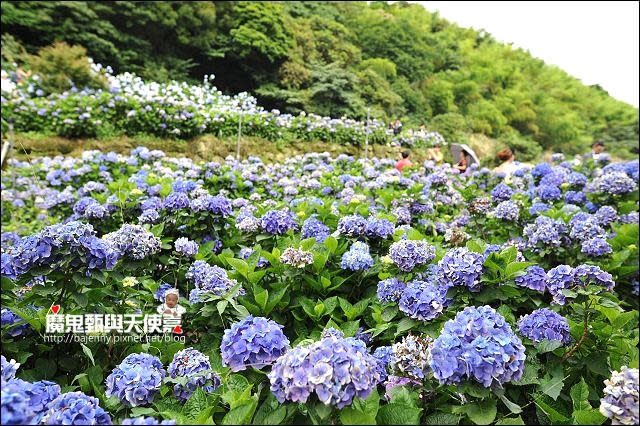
(60, 66)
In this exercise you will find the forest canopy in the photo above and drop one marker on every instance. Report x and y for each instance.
(336, 59)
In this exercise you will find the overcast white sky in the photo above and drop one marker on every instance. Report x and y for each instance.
(596, 42)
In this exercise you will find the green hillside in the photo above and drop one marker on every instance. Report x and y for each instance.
(337, 59)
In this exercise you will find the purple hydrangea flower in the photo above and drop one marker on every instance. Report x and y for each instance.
(357, 258)
(176, 201)
(194, 365)
(134, 241)
(559, 278)
(312, 227)
(477, 344)
(606, 215)
(8, 317)
(596, 247)
(76, 408)
(501, 192)
(535, 278)
(390, 290)
(407, 254)
(335, 369)
(278, 222)
(209, 280)
(379, 228)
(620, 402)
(9, 369)
(544, 324)
(136, 380)
(411, 356)
(384, 356)
(253, 342)
(423, 301)
(216, 204)
(507, 210)
(352, 225)
(575, 197)
(616, 183)
(462, 267)
(549, 193)
(186, 247)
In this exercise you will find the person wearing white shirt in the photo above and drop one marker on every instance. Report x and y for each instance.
(170, 305)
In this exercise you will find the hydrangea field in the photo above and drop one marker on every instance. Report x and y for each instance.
(318, 291)
(131, 106)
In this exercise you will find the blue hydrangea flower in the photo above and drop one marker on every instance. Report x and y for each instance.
(606, 215)
(537, 208)
(549, 193)
(312, 227)
(8, 317)
(384, 356)
(146, 421)
(14, 403)
(186, 247)
(559, 278)
(545, 230)
(134, 241)
(253, 342)
(477, 344)
(616, 183)
(544, 324)
(333, 368)
(596, 247)
(461, 267)
(535, 278)
(575, 197)
(423, 301)
(357, 258)
(278, 222)
(620, 402)
(379, 228)
(585, 228)
(194, 365)
(390, 290)
(352, 225)
(136, 380)
(73, 408)
(176, 201)
(407, 254)
(9, 369)
(160, 293)
(507, 210)
(209, 280)
(216, 204)
(149, 216)
(501, 192)
(541, 169)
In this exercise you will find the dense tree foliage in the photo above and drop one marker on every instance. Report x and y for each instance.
(338, 58)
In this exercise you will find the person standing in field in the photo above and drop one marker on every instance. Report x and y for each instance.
(435, 154)
(404, 162)
(508, 163)
(596, 150)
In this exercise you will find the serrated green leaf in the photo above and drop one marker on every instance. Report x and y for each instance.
(398, 414)
(580, 396)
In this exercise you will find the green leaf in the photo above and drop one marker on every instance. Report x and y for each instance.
(88, 353)
(514, 268)
(442, 419)
(588, 417)
(510, 421)
(405, 324)
(350, 416)
(262, 297)
(270, 412)
(512, 406)
(331, 243)
(548, 346)
(241, 414)
(476, 245)
(81, 299)
(580, 396)
(142, 411)
(239, 265)
(196, 404)
(398, 414)
(551, 412)
(482, 412)
(551, 384)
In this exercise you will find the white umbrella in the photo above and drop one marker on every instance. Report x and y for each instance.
(455, 151)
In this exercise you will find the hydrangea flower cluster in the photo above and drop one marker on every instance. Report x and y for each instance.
(246, 222)
(411, 356)
(384, 356)
(176, 201)
(313, 227)
(335, 369)
(74, 408)
(620, 402)
(606, 215)
(186, 247)
(617, 183)
(507, 210)
(253, 342)
(134, 241)
(209, 280)
(544, 324)
(477, 344)
(352, 225)
(136, 380)
(545, 230)
(216, 204)
(278, 222)
(501, 192)
(456, 236)
(357, 258)
(565, 277)
(297, 258)
(423, 301)
(596, 247)
(71, 244)
(194, 365)
(8, 317)
(390, 290)
(535, 278)
(480, 206)
(160, 292)
(407, 254)
(379, 228)
(9, 369)
(462, 267)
